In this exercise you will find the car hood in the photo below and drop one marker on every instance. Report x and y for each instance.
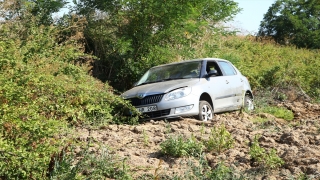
(159, 88)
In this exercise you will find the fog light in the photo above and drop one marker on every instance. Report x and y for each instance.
(183, 109)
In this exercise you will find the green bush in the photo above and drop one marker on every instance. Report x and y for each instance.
(268, 160)
(90, 166)
(202, 170)
(279, 112)
(219, 140)
(179, 146)
(42, 93)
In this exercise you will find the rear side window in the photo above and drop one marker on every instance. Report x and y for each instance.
(227, 68)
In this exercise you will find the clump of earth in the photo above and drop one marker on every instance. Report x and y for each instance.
(297, 142)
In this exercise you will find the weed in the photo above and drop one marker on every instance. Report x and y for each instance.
(179, 146)
(202, 129)
(219, 140)
(168, 128)
(201, 170)
(90, 166)
(259, 120)
(145, 138)
(220, 172)
(279, 112)
(269, 160)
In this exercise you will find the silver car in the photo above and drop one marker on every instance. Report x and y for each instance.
(198, 88)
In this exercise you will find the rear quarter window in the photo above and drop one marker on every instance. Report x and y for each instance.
(227, 68)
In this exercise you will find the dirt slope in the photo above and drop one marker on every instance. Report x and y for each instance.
(297, 143)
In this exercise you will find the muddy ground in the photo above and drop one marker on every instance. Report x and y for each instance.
(297, 142)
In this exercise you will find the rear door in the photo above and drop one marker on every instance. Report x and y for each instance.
(235, 84)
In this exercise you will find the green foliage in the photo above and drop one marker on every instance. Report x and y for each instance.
(42, 92)
(221, 172)
(90, 166)
(279, 112)
(270, 67)
(145, 138)
(219, 140)
(24, 10)
(179, 146)
(268, 160)
(131, 36)
(259, 120)
(202, 170)
(293, 21)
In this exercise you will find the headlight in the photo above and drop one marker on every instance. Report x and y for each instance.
(179, 93)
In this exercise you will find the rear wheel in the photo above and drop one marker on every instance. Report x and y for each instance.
(248, 103)
(205, 111)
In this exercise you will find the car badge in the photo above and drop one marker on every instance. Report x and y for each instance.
(140, 96)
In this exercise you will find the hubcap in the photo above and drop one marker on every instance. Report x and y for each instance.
(249, 104)
(206, 113)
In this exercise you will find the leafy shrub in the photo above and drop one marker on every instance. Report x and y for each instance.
(269, 160)
(219, 140)
(179, 146)
(221, 172)
(279, 112)
(43, 92)
(90, 166)
(202, 170)
(259, 120)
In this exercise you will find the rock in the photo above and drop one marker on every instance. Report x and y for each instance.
(113, 127)
(313, 169)
(137, 130)
(285, 172)
(294, 138)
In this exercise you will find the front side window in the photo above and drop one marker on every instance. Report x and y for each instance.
(227, 68)
(170, 72)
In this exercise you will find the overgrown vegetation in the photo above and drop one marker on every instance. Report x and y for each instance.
(90, 166)
(269, 160)
(279, 112)
(130, 36)
(44, 89)
(180, 146)
(219, 140)
(47, 88)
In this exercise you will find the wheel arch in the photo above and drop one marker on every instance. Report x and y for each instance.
(206, 97)
(248, 92)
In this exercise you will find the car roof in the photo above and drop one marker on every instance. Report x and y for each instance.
(192, 60)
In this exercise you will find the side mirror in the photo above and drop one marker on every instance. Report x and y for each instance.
(212, 73)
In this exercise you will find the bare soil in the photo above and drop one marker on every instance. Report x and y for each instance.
(297, 142)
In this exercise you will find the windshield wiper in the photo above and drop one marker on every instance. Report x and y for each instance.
(169, 79)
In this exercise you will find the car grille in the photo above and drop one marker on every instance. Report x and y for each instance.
(146, 100)
(155, 114)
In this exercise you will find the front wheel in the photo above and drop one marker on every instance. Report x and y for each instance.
(248, 103)
(205, 111)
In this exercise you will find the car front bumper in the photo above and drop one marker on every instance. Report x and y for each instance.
(182, 107)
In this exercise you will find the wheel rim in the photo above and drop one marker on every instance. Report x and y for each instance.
(206, 113)
(249, 104)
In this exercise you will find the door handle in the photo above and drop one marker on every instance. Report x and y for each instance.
(241, 80)
(227, 81)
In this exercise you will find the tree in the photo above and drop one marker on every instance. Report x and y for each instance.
(294, 22)
(26, 9)
(129, 36)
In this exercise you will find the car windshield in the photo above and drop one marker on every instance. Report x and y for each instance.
(170, 72)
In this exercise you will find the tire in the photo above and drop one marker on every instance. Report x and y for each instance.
(205, 111)
(248, 103)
